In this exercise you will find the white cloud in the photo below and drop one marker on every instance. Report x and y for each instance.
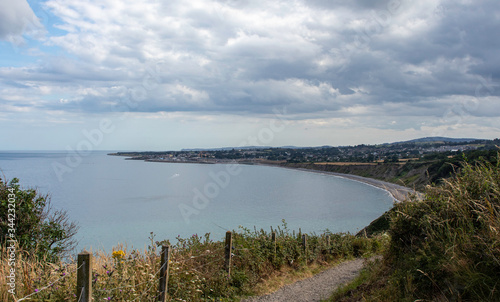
(363, 63)
(17, 19)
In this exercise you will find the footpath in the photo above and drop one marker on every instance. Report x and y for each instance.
(316, 288)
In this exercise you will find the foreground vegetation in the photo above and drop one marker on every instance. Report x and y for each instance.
(443, 248)
(196, 268)
(29, 218)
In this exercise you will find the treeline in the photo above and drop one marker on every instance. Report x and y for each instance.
(446, 164)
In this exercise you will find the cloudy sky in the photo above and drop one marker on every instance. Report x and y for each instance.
(166, 75)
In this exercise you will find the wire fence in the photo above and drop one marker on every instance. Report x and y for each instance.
(82, 288)
(87, 279)
(51, 284)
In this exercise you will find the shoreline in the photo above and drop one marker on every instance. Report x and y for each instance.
(398, 193)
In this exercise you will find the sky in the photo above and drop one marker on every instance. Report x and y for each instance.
(165, 75)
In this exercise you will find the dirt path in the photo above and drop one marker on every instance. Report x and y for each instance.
(315, 288)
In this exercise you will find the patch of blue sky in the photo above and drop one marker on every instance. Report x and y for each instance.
(48, 20)
(29, 53)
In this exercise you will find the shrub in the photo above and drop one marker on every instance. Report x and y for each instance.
(39, 229)
(448, 245)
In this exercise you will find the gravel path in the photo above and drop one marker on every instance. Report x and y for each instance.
(318, 287)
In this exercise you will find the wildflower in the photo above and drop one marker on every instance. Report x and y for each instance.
(36, 290)
(118, 254)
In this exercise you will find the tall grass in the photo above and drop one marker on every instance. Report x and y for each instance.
(196, 268)
(445, 247)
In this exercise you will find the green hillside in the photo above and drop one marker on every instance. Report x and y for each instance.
(443, 248)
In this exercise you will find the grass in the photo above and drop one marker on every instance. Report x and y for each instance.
(443, 248)
(196, 268)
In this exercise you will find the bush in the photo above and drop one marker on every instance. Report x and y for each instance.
(448, 245)
(38, 229)
(443, 248)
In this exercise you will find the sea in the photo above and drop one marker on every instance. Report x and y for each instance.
(119, 202)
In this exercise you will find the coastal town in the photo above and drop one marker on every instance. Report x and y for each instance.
(394, 152)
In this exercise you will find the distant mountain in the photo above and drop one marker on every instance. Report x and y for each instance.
(435, 139)
(227, 148)
(295, 147)
(250, 148)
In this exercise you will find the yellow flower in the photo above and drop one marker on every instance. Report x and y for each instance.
(118, 254)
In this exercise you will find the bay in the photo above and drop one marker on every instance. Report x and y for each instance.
(114, 200)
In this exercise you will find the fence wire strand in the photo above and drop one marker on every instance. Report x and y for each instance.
(179, 268)
(50, 284)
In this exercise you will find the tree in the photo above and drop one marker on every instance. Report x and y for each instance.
(37, 228)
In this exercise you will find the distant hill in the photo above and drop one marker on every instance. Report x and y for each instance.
(423, 140)
(435, 139)
(251, 148)
(227, 148)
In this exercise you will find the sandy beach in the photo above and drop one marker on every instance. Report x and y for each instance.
(398, 192)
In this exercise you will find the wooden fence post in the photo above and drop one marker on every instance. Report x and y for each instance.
(229, 244)
(84, 277)
(164, 262)
(304, 244)
(328, 242)
(273, 238)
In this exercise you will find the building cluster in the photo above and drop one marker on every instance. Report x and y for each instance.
(398, 152)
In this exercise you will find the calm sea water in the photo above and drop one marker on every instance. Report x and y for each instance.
(121, 201)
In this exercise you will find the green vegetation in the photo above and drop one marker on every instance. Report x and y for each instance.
(444, 165)
(38, 229)
(196, 268)
(431, 169)
(443, 248)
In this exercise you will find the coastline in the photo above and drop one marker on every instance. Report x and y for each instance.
(398, 193)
